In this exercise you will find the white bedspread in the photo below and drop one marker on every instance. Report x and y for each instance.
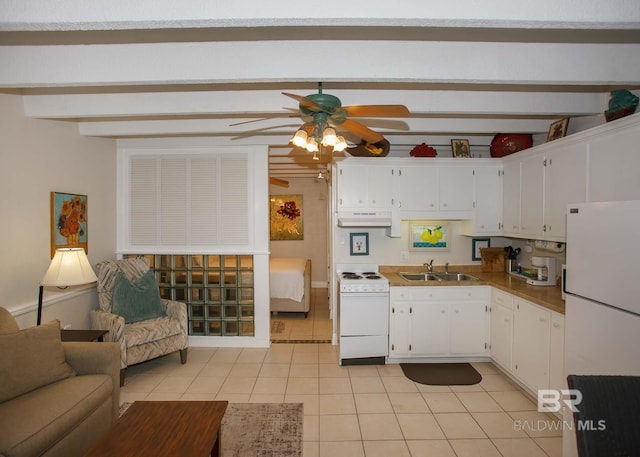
(286, 278)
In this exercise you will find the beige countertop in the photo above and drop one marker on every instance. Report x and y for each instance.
(549, 297)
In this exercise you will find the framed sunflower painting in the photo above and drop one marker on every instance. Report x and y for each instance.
(428, 236)
(286, 218)
(69, 222)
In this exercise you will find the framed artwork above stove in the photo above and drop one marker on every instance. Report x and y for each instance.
(359, 243)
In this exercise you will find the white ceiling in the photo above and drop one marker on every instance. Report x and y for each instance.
(465, 69)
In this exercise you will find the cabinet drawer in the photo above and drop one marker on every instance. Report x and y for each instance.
(501, 298)
(456, 293)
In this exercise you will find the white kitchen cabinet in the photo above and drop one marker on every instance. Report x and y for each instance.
(468, 334)
(532, 197)
(456, 189)
(614, 162)
(556, 357)
(502, 328)
(565, 181)
(531, 344)
(487, 217)
(365, 186)
(511, 197)
(417, 189)
(432, 322)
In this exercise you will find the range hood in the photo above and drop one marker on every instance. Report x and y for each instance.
(364, 219)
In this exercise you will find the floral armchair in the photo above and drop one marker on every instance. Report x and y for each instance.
(140, 340)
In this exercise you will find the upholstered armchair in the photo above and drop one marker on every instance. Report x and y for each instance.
(144, 325)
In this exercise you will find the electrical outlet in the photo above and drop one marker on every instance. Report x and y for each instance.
(404, 256)
(66, 327)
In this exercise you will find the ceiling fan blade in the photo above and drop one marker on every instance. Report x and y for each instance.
(305, 102)
(377, 110)
(263, 119)
(361, 131)
(279, 182)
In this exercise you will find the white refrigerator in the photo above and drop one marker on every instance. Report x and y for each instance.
(602, 286)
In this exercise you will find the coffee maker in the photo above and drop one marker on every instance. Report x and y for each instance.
(546, 268)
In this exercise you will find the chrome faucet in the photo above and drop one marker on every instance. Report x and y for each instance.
(429, 266)
(446, 268)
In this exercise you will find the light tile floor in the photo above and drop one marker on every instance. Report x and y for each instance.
(357, 411)
(315, 327)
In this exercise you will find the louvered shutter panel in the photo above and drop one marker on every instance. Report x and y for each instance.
(204, 201)
(144, 202)
(234, 209)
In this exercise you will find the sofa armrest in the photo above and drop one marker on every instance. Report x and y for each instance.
(177, 310)
(96, 358)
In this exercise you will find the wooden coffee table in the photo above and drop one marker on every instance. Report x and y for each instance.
(164, 428)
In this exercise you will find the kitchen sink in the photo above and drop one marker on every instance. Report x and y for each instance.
(455, 277)
(419, 276)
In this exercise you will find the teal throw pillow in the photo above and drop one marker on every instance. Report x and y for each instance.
(139, 300)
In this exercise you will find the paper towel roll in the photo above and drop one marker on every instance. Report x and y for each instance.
(550, 246)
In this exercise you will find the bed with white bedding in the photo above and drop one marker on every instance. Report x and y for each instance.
(290, 284)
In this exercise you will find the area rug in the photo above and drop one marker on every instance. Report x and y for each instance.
(441, 374)
(277, 326)
(259, 429)
(262, 429)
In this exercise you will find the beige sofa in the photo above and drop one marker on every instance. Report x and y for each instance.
(56, 398)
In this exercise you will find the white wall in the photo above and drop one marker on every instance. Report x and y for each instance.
(389, 251)
(315, 224)
(38, 157)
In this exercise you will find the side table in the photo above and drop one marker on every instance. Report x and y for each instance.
(82, 335)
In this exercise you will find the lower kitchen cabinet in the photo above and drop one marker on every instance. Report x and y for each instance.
(527, 341)
(439, 321)
(556, 359)
(502, 328)
(531, 343)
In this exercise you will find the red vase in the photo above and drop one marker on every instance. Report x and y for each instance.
(504, 144)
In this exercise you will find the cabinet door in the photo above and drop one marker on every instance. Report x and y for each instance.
(418, 188)
(556, 362)
(488, 203)
(429, 329)
(468, 328)
(531, 333)
(565, 181)
(501, 335)
(399, 329)
(511, 197)
(613, 165)
(352, 187)
(531, 196)
(456, 188)
(380, 187)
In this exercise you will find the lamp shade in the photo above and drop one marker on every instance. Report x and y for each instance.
(69, 267)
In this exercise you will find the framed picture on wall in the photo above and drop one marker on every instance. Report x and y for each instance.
(479, 243)
(428, 236)
(460, 148)
(69, 222)
(286, 218)
(359, 244)
(558, 129)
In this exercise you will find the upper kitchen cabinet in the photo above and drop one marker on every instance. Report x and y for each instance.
(487, 207)
(456, 189)
(417, 189)
(365, 186)
(599, 164)
(565, 182)
(614, 161)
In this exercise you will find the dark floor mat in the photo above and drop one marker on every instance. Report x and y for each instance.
(441, 374)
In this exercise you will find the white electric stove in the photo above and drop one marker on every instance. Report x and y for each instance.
(363, 310)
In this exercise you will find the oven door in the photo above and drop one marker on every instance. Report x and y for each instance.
(364, 313)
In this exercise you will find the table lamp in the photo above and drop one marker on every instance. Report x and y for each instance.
(69, 267)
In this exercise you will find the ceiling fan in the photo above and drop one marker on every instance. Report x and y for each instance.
(327, 110)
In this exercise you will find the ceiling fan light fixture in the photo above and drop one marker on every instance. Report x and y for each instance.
(340, 145)
(312, 145)
(300, 138)
(329, 137)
